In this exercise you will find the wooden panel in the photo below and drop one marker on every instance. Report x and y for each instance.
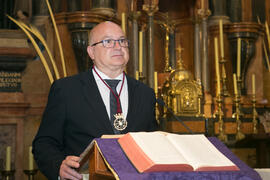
(12, 112)
(267, 10)
(185, 37)
(177, 127)
(231, 127)
(20, 52)
(246, 10)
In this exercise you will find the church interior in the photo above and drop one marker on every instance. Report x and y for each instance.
(207, 61)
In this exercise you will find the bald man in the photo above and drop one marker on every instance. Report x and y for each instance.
(80, 108)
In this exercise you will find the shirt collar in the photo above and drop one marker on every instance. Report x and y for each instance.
(104, 76)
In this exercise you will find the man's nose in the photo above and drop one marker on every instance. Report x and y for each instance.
(117, 45)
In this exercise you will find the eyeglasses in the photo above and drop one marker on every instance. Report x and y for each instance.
(110, 43)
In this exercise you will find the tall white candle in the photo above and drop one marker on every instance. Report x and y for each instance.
(124, 22)
(253, 84)
(202, 4)
(235, 84)
(8, 158)
(155, 82)
(238, 58)
(140, 51)
(221, 39)
(217, 66)
(31, 159)
(137, 75)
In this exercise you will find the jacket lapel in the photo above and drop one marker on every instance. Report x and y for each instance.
(94, 99)
(131, 98)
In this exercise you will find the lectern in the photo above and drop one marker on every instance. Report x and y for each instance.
(97, 167)
(117, 166)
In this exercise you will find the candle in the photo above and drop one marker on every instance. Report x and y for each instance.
(124, 22)
(217, 66)
(140, 51)
(253, 84)
(238, 57)
(155, 82)
(31, 159)
(202, 4)
(235, 84)
(223, 72)
(8, 158)
(221, 39)
(137, 75)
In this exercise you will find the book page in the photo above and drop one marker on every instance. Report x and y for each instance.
(199, 151)
(157, 147)
(111, 136)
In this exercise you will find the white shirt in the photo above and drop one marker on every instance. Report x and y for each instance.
(105, 91)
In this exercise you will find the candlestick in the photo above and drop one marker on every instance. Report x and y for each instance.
(217, 66)
(155, 83)
(31, 173)
(235, 84)
(238, 57)
(31, 159)
(140, 51)
(124, 22)
(8, 175)
(8, 158)
(254, 112)
(221, 38)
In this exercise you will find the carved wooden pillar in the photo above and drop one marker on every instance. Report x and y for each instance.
(13, 56)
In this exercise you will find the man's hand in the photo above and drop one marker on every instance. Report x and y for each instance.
(67, 168)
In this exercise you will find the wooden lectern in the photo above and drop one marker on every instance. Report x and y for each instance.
(97, 167)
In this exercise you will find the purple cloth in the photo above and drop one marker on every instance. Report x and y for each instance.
(126, 171)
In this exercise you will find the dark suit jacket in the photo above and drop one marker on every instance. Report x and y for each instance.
(75, 114)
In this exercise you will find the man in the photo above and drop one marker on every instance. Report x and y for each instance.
(79, 107)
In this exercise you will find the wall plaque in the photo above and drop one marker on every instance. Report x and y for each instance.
(10, 81)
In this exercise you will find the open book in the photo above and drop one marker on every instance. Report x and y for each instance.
(155, 151)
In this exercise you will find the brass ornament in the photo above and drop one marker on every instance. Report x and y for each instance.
(120, 123)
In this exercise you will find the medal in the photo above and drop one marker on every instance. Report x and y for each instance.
(120, 123)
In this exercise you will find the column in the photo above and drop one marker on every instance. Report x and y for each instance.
(197, 52)
(172, 49)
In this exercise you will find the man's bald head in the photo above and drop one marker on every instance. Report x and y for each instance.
(101, 27)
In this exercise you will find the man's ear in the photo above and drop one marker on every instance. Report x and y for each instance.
(90, 52)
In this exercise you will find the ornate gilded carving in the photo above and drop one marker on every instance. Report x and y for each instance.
(181, 92)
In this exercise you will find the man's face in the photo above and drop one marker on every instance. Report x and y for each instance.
(110, 58)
